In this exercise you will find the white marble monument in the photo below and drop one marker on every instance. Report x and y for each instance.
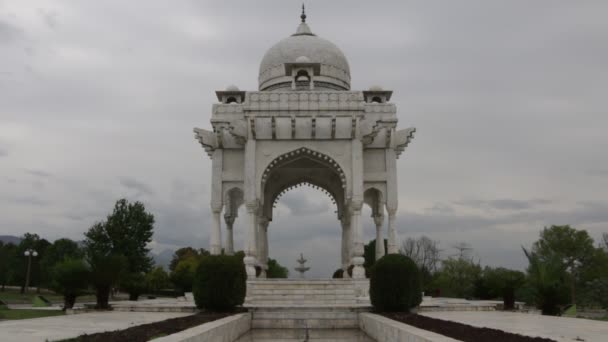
(304, 125)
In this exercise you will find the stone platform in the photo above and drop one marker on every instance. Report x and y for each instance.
(313, 304)
(156, 305)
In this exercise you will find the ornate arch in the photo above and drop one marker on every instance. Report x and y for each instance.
(302, 166)
(291, 156)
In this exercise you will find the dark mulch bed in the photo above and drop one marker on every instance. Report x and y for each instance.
(461, 331)
(146, 332)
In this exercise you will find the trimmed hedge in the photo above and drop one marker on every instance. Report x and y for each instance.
(219, 283)
(395, 284)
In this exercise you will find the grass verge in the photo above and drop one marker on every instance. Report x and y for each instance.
(8, 314)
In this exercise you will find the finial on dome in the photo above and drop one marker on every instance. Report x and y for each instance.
(303, 16)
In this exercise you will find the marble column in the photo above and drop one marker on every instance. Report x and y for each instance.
(393, 247)
(357, 245)
(346, 242)
(379, 222)
(229, 249)
(216, 233)
(263, 245)
(250, 244)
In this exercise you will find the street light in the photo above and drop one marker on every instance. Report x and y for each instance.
(29, 253)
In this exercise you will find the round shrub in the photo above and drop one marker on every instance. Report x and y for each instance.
(219, 283)
(395, 284)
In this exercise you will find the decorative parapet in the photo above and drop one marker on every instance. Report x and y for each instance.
(304, 101)
(403, 138)
(207, 139)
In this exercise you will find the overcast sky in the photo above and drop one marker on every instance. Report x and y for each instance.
(98, 100)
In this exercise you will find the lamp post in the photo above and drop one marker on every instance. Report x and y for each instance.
(29, 253)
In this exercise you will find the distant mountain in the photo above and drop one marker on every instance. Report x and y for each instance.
(10, 239)
(163, 258)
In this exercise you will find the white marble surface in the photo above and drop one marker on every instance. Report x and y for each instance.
(62, 327)
(561, 329)
(227, 329)
(292, 335)
(388, 330)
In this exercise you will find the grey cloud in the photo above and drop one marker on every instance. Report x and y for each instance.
(503, 204)
(139, 187)
(38, 173)
(302, 205)
(440, 208)
(27, 200)
(3, 152)
(584, 213)
(508, 98)
(49, 17)
(8, 32)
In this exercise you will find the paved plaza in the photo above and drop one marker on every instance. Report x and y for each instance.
(62, 327)
(561, 329)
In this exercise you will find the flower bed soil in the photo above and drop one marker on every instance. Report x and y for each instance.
(459, 331)
(146, 332)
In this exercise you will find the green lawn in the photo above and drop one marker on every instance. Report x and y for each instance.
(12, 296)
(25, 314)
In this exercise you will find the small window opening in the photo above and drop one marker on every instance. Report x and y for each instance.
(302, 76)
(231, 99)
(376, 99)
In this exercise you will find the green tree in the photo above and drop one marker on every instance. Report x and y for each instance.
(457, 277)
(157, 279)
(60, 250)
(183, 276)
(597, 292)
(369, 253)
(8, 253)
(503, 283)
(275, 270)
(129, 229)
(70, 278)
(571, 248)
(186, 253)
(546, 279)
(106, 271)
(124, 237)
(134, 284)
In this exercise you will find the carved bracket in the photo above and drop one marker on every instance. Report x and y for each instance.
(207, 139)
(402, 138)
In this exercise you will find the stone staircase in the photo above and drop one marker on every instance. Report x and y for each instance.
(312, 304)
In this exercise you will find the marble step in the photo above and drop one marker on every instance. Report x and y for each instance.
(303, 296)
(306, 291)
(311, 318)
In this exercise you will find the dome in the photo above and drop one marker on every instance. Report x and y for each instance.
(334, 70)
(232, 87)
(303, 59)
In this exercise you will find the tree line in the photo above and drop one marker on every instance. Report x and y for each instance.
(565, 267)
(113, 255)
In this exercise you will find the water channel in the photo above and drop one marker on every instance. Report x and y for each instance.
(303, 335)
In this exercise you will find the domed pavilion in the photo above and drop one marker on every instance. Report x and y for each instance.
(304, 126)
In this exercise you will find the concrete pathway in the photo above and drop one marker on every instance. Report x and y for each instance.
(62, 327)
(561, 329)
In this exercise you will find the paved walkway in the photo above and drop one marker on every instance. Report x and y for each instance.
(62, 327)
(561, 329)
